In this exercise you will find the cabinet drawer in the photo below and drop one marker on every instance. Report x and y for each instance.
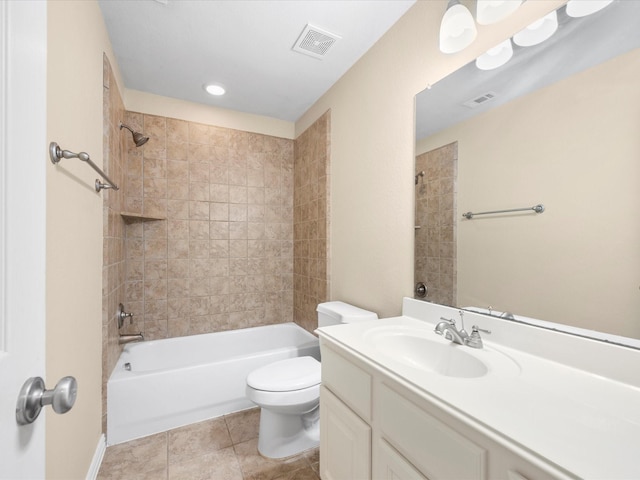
(434, 448)
(350, 383)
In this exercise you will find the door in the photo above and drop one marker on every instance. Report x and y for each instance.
(23, 35)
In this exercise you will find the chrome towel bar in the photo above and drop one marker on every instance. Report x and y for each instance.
(536, 208)
(56, 154)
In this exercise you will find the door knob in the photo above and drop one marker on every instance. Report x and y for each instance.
(33, 396)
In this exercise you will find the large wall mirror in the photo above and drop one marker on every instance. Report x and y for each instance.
(557, 125)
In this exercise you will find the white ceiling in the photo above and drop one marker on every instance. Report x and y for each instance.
(172, 48)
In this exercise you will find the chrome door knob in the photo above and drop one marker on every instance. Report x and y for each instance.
(33, 396)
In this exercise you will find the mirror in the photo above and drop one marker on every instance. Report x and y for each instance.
(558, 125)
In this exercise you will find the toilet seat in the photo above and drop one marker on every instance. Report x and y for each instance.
(288, 375)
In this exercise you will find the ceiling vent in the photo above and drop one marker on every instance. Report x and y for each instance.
(315, 42)
(474, 102)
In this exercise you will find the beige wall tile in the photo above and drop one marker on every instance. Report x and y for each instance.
(308, 199)
(435, 243)
(223, 194)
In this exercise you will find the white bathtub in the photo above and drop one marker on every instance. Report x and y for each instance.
(178, 381)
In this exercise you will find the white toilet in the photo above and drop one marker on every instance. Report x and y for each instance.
(288, 392)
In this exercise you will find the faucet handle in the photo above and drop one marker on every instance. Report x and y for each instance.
(450, 320)
(474, 340)
(122, 315)
(476, 329)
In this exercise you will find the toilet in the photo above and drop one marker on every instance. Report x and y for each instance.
(288, 392)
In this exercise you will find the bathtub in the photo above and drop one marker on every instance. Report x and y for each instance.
(163, 384)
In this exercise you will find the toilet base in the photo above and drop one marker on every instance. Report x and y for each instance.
(282, 435)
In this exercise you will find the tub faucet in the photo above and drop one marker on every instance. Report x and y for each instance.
(130, 338)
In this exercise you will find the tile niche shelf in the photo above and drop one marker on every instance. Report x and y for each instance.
(130, 217)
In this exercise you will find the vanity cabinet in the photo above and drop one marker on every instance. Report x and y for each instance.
(376, 426)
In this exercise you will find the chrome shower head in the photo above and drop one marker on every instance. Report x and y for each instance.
(138, 138)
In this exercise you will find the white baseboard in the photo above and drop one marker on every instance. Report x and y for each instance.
(94, 468)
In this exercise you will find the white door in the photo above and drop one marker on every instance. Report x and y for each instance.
(23, 160)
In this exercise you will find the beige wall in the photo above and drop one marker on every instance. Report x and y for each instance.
(573, 148)
(77, 39)
(137, 101)
(372, 151)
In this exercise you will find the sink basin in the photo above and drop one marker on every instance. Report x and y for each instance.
(446, 359)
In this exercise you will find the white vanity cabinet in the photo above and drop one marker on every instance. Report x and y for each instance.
(373, 425)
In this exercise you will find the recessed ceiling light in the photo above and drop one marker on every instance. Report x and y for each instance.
(213, 89)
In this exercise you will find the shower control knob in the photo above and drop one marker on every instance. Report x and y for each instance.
(421, 290)
(33, 396)
(122, 315)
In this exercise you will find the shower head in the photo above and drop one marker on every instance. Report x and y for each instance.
(138, 138)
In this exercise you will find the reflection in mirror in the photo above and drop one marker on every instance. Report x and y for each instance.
(558, 125)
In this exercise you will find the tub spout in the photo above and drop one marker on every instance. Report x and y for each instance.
(134, 337)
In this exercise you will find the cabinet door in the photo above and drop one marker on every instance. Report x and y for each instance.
(345, 441)
(390, 465)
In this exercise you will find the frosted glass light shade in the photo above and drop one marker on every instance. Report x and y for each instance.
(495, 57)
(457, 29)
(538, 31)
(492, 11)
(582, 8)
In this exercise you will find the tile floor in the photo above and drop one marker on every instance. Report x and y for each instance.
(224, 448)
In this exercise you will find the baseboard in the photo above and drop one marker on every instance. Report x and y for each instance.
(94, 468)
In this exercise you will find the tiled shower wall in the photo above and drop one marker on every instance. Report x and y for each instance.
(435, 235)
(221, 255)
(311, 221)
(113, 266)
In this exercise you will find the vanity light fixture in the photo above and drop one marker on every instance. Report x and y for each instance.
(214, 89)
(492, 11)
(495, 57)
(582, 8)
(538, 31)
(457, 29)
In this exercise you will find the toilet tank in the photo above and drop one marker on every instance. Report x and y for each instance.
(334, 313)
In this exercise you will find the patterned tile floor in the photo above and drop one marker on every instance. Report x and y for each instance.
(224, 448)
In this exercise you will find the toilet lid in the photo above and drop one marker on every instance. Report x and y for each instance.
(286, 375)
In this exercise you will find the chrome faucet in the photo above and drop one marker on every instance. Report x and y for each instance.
(447, 328)
(130, 338)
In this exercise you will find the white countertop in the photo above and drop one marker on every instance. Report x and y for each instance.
(581, 421)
